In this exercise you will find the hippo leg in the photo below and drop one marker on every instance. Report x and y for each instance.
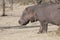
(43, 27)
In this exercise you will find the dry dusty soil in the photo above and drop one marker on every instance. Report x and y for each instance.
(22, 33)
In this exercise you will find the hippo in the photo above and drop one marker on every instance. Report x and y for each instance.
(28, 15)
(43, 13)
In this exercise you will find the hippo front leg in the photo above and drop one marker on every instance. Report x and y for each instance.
(43, 27)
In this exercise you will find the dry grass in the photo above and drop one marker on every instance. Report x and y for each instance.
(58, 31)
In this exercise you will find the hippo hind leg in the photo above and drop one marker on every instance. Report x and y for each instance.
(43, 27)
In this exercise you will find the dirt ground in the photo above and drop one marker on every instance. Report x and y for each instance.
(24, 33)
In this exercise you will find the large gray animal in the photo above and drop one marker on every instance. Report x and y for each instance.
(43, 13)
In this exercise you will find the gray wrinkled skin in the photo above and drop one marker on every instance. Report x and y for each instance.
(43, 13)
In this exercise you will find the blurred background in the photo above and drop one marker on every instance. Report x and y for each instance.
(11, 7)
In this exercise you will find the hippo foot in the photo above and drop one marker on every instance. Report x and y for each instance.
(41, 32)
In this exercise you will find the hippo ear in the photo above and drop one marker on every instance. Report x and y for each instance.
(27, 9)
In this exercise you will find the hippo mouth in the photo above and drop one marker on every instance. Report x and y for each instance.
(33, 20)
(26, 23)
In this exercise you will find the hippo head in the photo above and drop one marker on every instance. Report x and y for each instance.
(27, 16)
